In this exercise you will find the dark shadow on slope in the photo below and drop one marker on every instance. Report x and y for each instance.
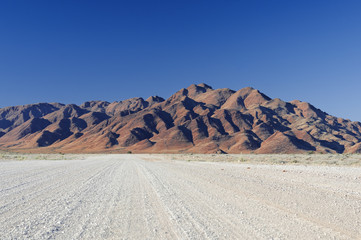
(202, 127)
(187, 133)
(229, 119)
(112, 137)
(301, 144)
(4, 123)
(166, 118)
(80, 124)
(141, 133)
(332, 145)
(47, 138)
(274, 122)
(150, 122)
(217, 124)
(35, 125)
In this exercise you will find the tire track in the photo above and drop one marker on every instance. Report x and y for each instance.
(126, 197)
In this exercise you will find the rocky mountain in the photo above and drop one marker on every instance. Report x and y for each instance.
(196, 119)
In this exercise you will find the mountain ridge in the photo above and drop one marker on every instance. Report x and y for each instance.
(196, 119)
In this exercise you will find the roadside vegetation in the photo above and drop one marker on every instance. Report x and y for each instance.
(6, 156)
(297, 159)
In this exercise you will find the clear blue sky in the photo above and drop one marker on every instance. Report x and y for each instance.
(74, 51)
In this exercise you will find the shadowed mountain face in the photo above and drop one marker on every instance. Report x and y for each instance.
(196, 119)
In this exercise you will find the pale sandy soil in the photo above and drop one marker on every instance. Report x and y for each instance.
(281, 159)
(155, 197)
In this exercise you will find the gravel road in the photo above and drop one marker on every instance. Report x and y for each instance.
(127, 197)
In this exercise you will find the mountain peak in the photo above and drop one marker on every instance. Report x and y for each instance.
(194, 119)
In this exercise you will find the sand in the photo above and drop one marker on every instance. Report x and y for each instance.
(160, 197)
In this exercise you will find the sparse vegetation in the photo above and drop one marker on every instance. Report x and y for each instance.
(297, 159)
(29, 156)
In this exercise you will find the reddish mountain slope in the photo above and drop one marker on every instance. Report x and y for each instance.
(196, 119)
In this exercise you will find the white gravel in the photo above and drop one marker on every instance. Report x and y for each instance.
(126, 197)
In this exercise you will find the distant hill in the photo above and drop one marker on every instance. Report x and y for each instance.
(196, 119)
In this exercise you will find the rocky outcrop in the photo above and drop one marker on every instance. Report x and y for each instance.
(196, 119)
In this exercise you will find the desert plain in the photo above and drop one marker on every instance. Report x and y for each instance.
(180, 196)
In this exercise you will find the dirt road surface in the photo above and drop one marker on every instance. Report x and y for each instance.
(127, 197)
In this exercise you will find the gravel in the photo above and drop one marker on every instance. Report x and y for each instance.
(140, 197)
